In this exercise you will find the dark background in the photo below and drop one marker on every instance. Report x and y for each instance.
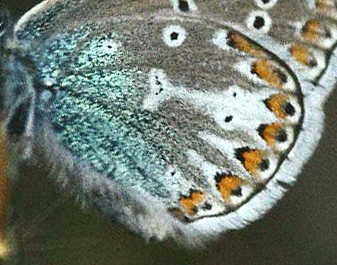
(301, 229)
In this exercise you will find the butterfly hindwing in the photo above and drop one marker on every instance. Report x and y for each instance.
(201, 108)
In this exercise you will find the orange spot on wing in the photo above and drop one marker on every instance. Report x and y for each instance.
(276, 104)
(227, 184)
(245, 45)
(265, 70)
(270, 133)
(326, 5)
(190, 203)
(313, 30)
(252, 160)
(302, 55)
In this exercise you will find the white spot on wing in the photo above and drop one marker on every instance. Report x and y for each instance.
(109, 47)
(174, 35)
(209, 170)
(247, 108)
(220, 39)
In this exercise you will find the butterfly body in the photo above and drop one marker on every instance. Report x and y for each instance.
(177, 118)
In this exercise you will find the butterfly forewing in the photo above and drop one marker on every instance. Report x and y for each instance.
(202, 107)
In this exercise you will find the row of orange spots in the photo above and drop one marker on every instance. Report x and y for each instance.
(280, 106)
(245, 45)
(4, 195)
(269, 73)
(190, 203)
(315, 31)
(303, 55)
(263, 67)
(271, 132)
(228, 185)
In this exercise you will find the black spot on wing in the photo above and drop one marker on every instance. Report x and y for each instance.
(183, 6)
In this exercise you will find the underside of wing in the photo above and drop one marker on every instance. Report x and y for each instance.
(202, 106)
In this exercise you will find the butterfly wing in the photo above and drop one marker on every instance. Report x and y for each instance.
(189, 116)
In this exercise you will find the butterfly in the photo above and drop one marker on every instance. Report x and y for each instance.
(179, 118)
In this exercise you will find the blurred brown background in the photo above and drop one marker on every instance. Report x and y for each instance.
(301, 229)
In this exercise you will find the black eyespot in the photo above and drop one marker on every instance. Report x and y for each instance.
(282, 136)
(183, 6)
(237, 192)
(264, 165)
(289, 109)
(265, 1)
(174, 36)
(259, 22)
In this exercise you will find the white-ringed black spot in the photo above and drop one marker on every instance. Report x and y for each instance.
(174, 35)
(259, 22)
(183, 6)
